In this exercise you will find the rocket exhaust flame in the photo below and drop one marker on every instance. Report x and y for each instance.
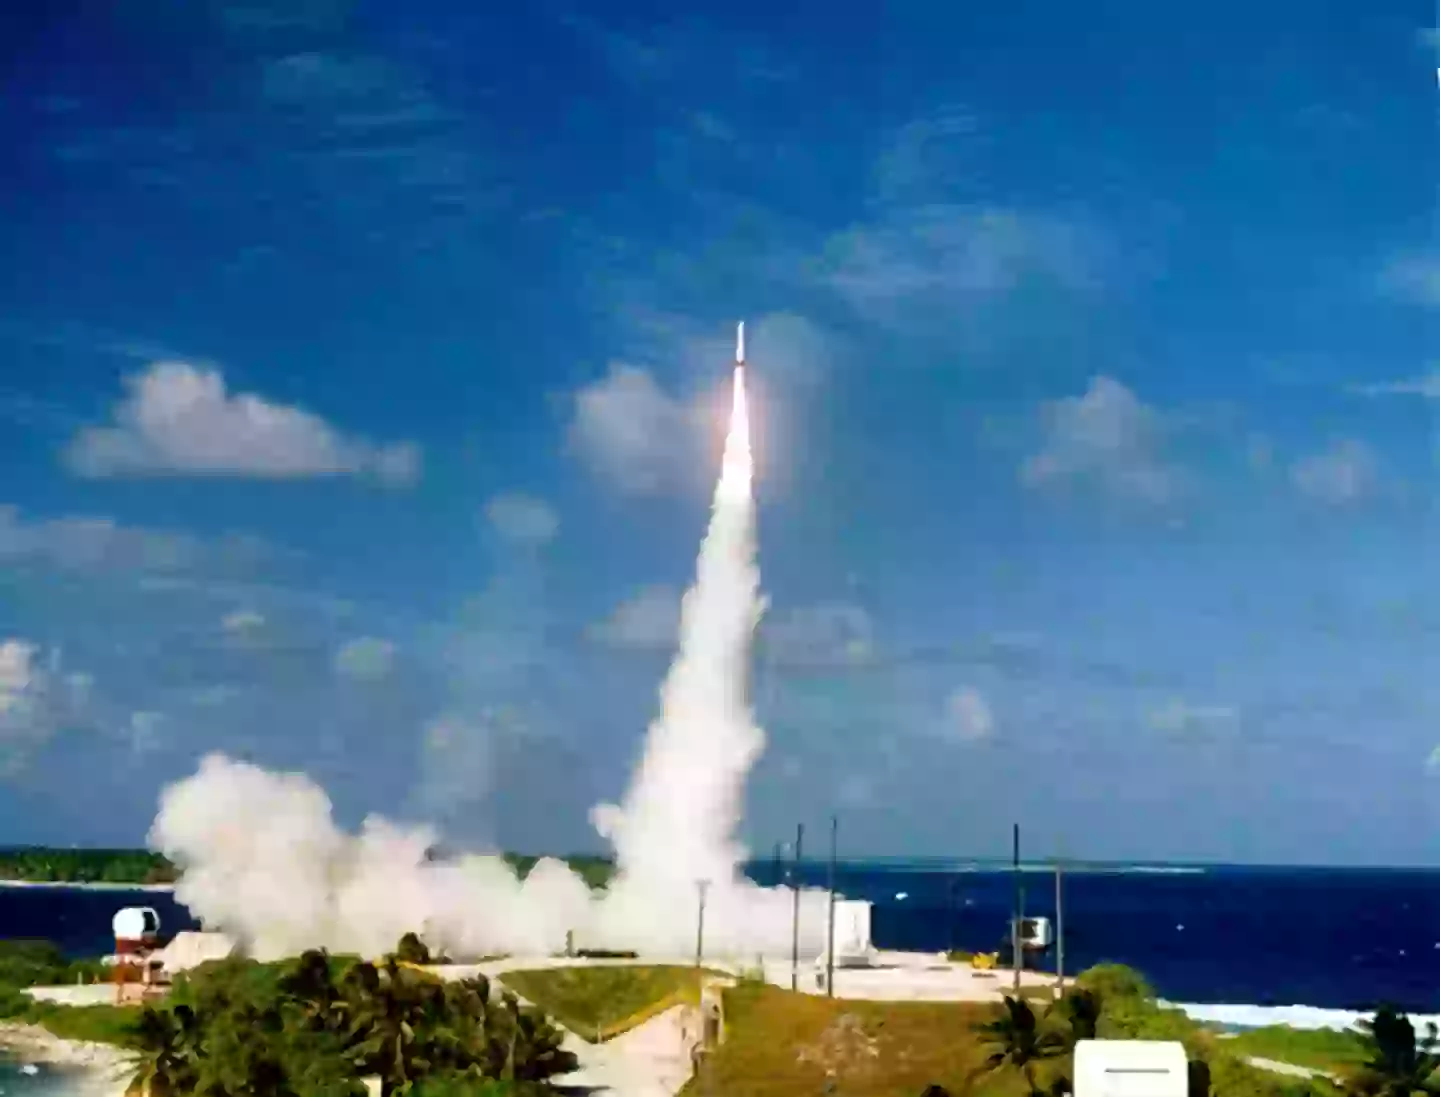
(262, 858)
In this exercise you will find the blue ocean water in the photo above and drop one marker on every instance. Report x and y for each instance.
(1333, 938)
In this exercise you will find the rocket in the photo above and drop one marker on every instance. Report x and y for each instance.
(740, 343)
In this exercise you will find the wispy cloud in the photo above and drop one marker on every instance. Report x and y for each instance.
(86, 543)
(820, 636)
(937, 253)
(365, 658)
(1107, 438)
(1426, 385)
(648, 620)
(179, 420)
(524, 519)
(1345, 472)
(1413, 277)
(1177, 716)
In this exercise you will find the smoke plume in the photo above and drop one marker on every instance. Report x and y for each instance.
(262, 858)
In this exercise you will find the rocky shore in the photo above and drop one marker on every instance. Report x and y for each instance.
(100, 1070)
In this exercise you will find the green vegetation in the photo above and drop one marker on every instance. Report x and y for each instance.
(596, 871)
(1321, 1049)
(36, 864)
(33, 963)
(315, 1025)
(40, 963)
(41, 865)
(310, 1027)
(780, 1043)
(598, 1003)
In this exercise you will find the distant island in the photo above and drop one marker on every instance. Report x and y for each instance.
(42, 865)
(45, 865)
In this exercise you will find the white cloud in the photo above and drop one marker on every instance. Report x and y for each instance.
(36, 697)
(1432, 762)
(523, 518)
(1345, 472)
(366, 658)
(1414, 277)
(242, 622)
(1179, 717)
(827, 634)
(649, 619)
(968, 716)
(179, 420)
(20, 677)
(634, 433)
(1106, 437)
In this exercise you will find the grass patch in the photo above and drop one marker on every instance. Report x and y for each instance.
(1322, 1049)
(99, 1024)
(598, 1001)
(779, 1043)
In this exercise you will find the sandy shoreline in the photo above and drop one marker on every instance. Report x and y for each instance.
(87, 886)
(99, 1069)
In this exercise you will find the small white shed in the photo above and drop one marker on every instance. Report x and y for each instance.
(1131, 1068)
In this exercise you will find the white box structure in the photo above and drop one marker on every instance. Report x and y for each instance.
(852, 946)
(1131, 1068)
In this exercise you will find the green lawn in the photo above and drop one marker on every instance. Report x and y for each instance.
(103, 1024)
(1322, 1049)
(592, 1001)
(779, 1043)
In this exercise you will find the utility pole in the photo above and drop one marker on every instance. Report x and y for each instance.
(1016, 912)
(830, 934)
(795, 915)
(1059, 930)
(701, 886)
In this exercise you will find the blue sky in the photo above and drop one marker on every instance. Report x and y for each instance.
(359, 377)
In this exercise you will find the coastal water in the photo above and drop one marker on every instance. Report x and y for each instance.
(1239, 938)
(38, 1081)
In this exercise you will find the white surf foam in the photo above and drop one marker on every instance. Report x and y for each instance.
(1305, 1017)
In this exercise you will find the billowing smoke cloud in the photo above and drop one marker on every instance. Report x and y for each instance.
(263, 859)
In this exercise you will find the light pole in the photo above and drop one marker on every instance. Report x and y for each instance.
(1059, 930)
(701, 886)
(1016, 914)
(795, 913)
(830, 933)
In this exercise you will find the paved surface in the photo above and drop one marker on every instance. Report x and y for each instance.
(651, 1060)
(1290, 1069)
(88, 994)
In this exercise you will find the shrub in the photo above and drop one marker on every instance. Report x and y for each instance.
(1115, 981)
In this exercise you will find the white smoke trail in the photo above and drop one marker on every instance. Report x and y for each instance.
(262, 858)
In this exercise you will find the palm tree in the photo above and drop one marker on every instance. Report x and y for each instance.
(167, 1046)
(1397, 1062)
(1019, 1041)
(1081, 1012)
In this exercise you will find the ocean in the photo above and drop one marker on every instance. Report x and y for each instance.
(1244, 942)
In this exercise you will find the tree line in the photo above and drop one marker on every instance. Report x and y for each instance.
(40, 864)
(315, 1025)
